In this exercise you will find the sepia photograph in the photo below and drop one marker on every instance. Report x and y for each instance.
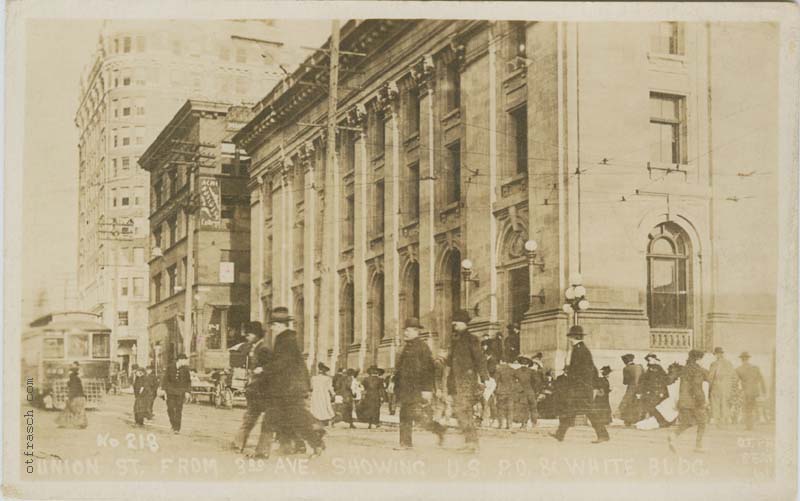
(434, 250)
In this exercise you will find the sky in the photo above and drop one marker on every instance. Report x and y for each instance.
(57, 52)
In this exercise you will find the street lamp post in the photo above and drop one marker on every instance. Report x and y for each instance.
(530, 251)
(466, 274)
(576, 298)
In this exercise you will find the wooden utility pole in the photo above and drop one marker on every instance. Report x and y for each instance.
(332, 194)
(332, 91)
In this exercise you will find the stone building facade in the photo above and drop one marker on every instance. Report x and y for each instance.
(640, 155)
(197, 173)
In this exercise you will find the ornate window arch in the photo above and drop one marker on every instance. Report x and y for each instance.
(669, 277)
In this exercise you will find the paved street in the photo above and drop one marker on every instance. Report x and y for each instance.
(112, 447)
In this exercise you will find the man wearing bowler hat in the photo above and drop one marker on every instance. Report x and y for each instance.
(723, 377)
(580, 388)
(414, 385)
(467, 365)
(287, 386)
(752, 388)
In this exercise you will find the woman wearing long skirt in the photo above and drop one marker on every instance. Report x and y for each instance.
(602, 406)
(374, 395)
(143, 391)
(74, 413)
(321, 395)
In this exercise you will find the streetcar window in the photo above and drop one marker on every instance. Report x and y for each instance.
(53, 347)
(78, 346)
(101, 347)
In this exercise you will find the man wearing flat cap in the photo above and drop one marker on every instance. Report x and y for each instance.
(414, 385)
(467, 364)
(752, 388)
(723, 377)
(580, 388)
(691, 400)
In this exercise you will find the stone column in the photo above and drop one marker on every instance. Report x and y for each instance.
(260, 266)
(309, 228)
(288, 233)
(493, 157)
(388, 102)
(357, 119)
(423, 74)
(329, 314)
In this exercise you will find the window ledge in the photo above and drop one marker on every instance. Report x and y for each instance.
(452, 206)
(681, 58)
(453, 114)
(411, 138)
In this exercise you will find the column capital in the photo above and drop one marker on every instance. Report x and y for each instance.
(457, 53)
(286, 169)
(422, 73)
(305, 154)
(357, 117)
(388, 97)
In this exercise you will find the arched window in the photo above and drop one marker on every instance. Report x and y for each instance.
(669, 271)
(411, 291)
(348, 307)
(299, 325)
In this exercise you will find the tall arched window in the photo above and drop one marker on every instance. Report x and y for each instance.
(348, 310)
(669, 271)
(412, 291)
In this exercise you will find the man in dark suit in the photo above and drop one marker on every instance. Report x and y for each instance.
(177, 382)
(414, 385)
(511, 343)
(581, 388)
(257, 361)
(288, 384)
(467, 365)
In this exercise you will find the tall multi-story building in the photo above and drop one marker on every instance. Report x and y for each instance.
(141, 74)
(493, 165)
(200, 226)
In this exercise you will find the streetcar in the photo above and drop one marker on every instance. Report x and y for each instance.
(52, 343)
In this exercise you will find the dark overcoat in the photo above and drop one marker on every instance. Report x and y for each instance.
(374, 394)
(143, 390)
(286, 374)
(258, 356)
(467, 364)
(601, 402)
(177, 381)
(414, 373)
(581, 381)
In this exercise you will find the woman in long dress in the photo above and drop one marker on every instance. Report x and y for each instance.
(374, 395)
(602, 405)
(74, 413)
(321, 395)
(143, 391)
